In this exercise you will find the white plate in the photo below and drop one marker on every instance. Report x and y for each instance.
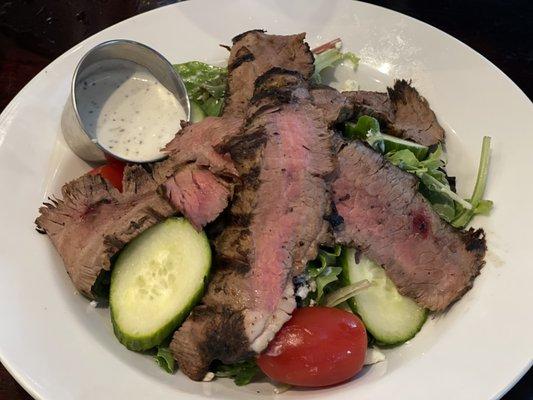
(59, 347)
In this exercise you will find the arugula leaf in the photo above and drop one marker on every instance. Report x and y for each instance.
(479, 206)
(164, 359)
(206, 84)
(324, 271)
(436, 185)
(360, 130)
(367, 128)
(242, 373)
(331, 58)
(443, 205)
(329, 275)
(405, 160)
(484, 207)
(431, 175)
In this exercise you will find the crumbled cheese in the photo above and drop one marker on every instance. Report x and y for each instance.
(209, 377)
(373, 356)
(281, 388)
(303, 291)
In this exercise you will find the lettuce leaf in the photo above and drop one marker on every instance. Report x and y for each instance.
(206, 84)
(242, 373)
(479, 205)
(331, 58)
(325, 272)
(164, 359)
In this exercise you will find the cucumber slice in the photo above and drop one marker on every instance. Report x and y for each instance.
(197, 114)
(390, 317)
(155, 282)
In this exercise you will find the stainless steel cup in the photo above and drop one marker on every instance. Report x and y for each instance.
(83, 141)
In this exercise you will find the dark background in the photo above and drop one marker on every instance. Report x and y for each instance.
(35, 32)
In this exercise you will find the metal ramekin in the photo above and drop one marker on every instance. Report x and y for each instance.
(85, 144)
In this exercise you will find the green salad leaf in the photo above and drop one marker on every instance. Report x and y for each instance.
(164, 359)
(479, 205)
(364, 127)
(367, 128)
(325, 272)
(242, 373)
(331, 58)
(329, 275)
(206, 84)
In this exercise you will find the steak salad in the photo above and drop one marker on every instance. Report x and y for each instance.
(291, 230)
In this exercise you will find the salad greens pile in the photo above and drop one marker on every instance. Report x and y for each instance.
(206, 85)
(429, 166)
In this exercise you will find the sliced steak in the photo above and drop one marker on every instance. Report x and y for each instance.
(195, 143)
(375, 104)
(386, 217)
(334, 106)
(197, 179)
(253, 53)
(276, 223)
(198, 194)
(414, 119)
(94, 221)
(402, 112)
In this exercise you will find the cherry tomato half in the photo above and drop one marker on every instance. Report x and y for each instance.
(318, 346)
(112, 172)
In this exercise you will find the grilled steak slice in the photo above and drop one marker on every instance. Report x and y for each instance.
(196, 143)
(386, 217)
(198, 194)
(195, 178)
(276, 223)
(334, 106)
(375, 104)
(401, 111)
(414, 120)
(253, 53)
(94, 221)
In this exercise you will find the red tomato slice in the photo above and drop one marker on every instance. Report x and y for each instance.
(112, 172)
(318, 346)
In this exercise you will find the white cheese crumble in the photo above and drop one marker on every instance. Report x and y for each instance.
(303, 291)
(281, 388)
(209, 377)
(373, 356)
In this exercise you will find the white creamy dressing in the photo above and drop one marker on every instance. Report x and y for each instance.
(131, 114)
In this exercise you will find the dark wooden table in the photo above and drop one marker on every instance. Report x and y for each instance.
(33, 33)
